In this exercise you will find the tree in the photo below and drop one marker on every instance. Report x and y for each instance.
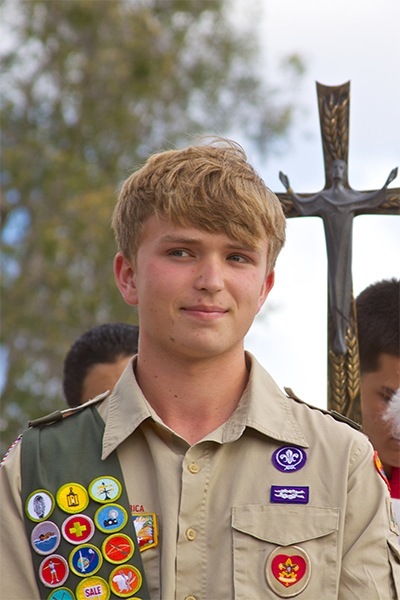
(91, 88)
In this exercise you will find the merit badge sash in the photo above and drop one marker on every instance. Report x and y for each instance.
(77, 513)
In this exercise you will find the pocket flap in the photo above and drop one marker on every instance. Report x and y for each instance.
(285, 525)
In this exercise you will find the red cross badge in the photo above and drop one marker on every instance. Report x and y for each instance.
(78, 529)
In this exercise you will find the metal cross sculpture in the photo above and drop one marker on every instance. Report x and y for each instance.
(337, 204)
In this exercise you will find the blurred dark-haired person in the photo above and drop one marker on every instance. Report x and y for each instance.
(378, 323)
(96, 360)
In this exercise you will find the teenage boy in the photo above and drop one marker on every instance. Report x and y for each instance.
(247, 492)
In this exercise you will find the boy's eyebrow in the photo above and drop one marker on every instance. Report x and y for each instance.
(181, 239)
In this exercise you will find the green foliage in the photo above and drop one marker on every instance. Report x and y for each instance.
(90, 88)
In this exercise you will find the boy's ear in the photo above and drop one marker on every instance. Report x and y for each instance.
(124, 274)
(266, 288)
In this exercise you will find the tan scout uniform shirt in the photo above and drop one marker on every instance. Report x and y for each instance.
(219, 531)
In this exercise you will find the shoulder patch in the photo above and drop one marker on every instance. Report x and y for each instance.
(333, 413)
(379, 467)
(59, 415)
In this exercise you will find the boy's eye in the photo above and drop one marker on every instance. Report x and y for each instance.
(178, 252)
(387, 394)
(238, 258)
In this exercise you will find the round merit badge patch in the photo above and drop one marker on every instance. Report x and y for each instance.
(125, 581)
(92, 587)
(105, 489)
(111, 518)
(78, 529)
(39, 505)
(53, 571)
(289, 458)
(118, 548)
(85, 560)
(288, 571)
(61, 593)
(72, 497)
(45, 537)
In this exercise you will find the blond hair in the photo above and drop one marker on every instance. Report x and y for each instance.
(211, 187)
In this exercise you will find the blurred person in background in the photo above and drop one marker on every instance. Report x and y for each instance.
(96, 360)
(378, 323)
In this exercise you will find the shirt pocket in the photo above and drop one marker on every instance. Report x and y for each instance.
(305, 535)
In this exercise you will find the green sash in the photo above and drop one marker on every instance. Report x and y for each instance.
(69, 452)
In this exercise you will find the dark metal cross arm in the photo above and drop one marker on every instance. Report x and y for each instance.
(389, 206)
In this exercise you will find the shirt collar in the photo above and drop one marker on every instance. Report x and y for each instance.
(263, 407)
(124, 411)
(269, 409)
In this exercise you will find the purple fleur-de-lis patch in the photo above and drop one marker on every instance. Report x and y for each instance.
(289, 458)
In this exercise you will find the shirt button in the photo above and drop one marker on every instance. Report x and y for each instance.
(191, 534)
(194, 468)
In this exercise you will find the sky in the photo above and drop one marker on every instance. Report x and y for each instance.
(340, 41)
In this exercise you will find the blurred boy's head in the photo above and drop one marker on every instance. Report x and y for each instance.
(96, 360)
(378, 322)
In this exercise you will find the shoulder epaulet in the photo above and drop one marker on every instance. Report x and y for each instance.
(59, 415)
(333, 413)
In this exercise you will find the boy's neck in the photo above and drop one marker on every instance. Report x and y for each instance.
(191, 397)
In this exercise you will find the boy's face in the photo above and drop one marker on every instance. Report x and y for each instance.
(103, 377)
(377, 387)
(198, 292)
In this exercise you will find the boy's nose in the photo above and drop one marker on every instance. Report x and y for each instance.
(210, 276)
